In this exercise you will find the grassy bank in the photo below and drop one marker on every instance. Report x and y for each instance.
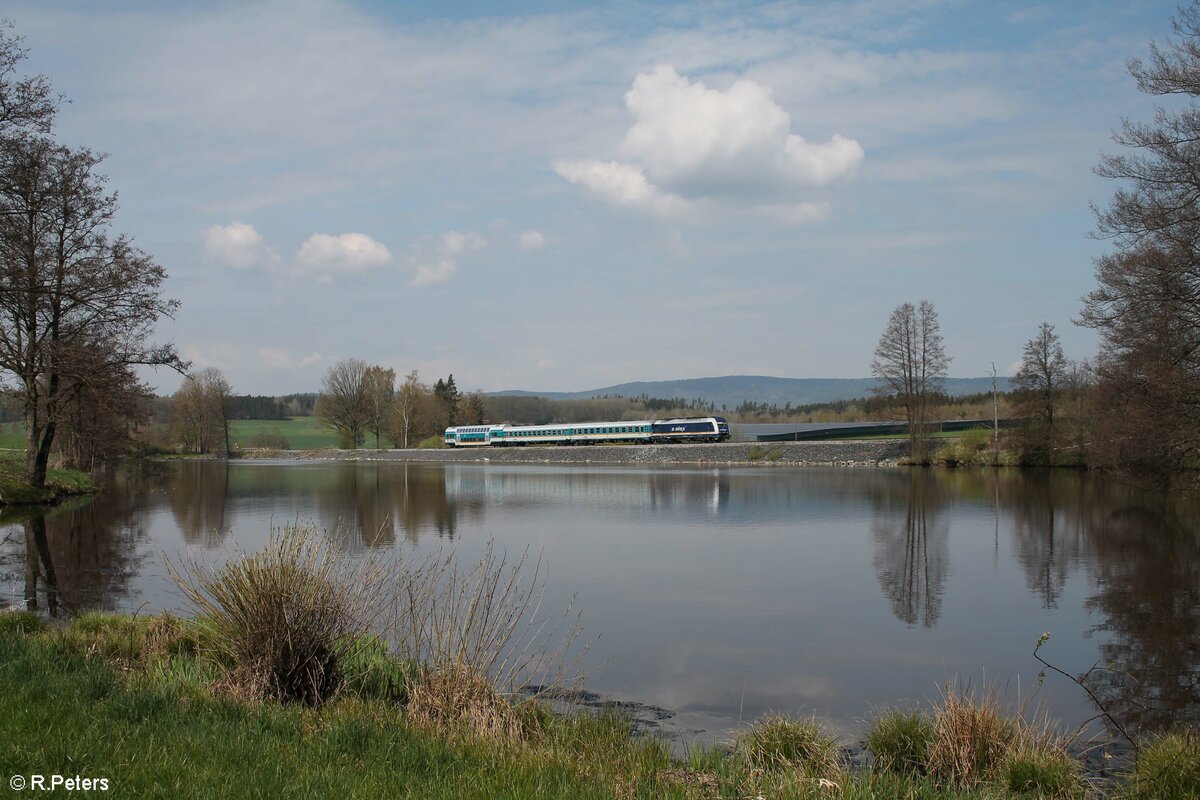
(148, 705)
(60, 483)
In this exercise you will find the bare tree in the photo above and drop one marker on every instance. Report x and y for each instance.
(344, 403)
(1039, 385)
(68, 291)
(379, 386)
(75, 303)
(27, 104)
(98, 420)
(200, 412)
(911, 362)
(411, 398)
(995, 418)
(1147, 304)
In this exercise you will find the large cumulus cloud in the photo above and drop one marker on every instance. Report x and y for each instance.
(690, 143)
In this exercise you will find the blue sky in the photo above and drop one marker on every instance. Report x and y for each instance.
(559, 196)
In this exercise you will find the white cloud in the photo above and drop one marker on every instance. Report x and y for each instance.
(620, 184)
(453, 243)
(238, 245)
(531, 240)
(274, 358)
(440, 265)
(325, 255)
(701, 141)
(279, 358)
(546, 363)
(691, 143)
(433, 273)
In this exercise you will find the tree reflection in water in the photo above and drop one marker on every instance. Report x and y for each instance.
(199, 492)
(911, 555)
(1147, 571)
(80, 556)
(1137, 554)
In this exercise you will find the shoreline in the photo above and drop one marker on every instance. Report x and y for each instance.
(847, 453)
(135, 679)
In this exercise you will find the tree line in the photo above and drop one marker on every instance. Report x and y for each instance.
(1133, 409)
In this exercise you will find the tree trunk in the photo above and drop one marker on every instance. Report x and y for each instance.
(37, 450)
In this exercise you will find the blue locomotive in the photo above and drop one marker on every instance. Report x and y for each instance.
(667, 431)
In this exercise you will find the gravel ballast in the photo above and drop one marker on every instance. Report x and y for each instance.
(868, 453)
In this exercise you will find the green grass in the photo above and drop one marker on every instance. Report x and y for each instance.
(141, 703)
(12, 436)
(66, 710)
(59, 482)
(302, 433)
(899, 740)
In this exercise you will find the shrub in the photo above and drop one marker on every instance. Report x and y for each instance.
(287, 617)
(899, 741)
(973, 446)
(431, 443)
(1168, 768)
(779, 742)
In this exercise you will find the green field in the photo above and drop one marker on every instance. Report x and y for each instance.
(12, 436)
(302, 433)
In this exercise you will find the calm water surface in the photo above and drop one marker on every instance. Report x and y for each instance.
(718, 594)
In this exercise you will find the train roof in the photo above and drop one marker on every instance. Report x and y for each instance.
(596, 424)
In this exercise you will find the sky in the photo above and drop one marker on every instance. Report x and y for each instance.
(561, 196)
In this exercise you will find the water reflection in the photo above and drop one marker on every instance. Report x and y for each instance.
(198, 492)
(1049, 529)
(912, 549)
(39, 567)
(838, 589)
(84, 555)
(1147, 570)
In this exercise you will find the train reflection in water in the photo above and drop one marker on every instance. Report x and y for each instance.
(613, 490)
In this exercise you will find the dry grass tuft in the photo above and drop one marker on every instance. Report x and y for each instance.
(695, 783)
(974, 742)
(166, 635)
(455, 699)
(283, 617)
(971, 737)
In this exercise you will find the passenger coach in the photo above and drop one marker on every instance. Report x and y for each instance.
(670, 431)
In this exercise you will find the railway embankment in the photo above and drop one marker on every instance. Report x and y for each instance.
(868, 453)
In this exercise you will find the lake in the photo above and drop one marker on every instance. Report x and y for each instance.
(716, 594)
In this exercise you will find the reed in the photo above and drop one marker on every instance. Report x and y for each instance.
(486, 620)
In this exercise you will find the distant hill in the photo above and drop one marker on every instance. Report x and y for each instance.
(732, 390)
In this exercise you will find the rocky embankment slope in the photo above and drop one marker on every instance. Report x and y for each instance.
(876, 452)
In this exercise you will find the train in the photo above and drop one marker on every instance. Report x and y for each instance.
(665, 431)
